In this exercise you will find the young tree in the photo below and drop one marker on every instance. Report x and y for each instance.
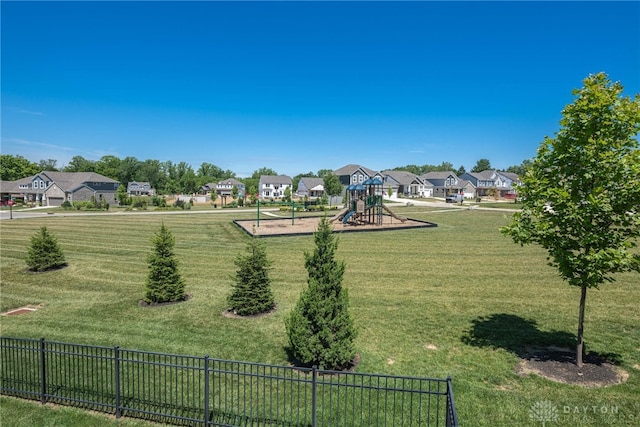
(44, 253)
(581, 198)
(332, 185)
(214, 195)
(234, 192)
(164, 283)
(320, 329)
(252, 290)
(286, 197)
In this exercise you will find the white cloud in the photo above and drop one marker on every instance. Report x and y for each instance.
(23, 111)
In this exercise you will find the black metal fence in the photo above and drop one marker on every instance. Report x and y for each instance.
(187, 390)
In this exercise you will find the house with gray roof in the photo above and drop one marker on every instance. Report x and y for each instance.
(140, 189)
(444, 183)
(311, 187)
(406, 184)
(52, 188)
(488, 180)
(273, 186)
(355, 174)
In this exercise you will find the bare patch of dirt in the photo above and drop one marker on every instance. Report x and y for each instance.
(231, 314)
(22, 310)
(558, 365)
(308, 225)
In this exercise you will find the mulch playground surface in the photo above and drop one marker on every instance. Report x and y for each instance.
(308, 225)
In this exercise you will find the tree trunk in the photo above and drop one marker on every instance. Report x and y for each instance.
(580, 347)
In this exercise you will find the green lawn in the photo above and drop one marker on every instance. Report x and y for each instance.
(421, 299)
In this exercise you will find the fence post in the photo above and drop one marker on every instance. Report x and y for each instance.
(314, 392)
(451, 419)
(43, 373)
(206, 391)
(116, 374)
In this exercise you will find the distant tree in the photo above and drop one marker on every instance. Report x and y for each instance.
(252, 289)
(164, 283)
(521, 169)
(234, 192)
(214, 195)
(389, 191)
(80, 164)
(461, 170)
(44, 253)
(48, 165)
(108, 166)
(263, 171)
(482, 165)
(322, 173)
(187, 181)
(410, 168)
(444, 167)
(580, 195)
(320, 328)
(16, 167)
(151, 171)
(332, 185)
(128, 169)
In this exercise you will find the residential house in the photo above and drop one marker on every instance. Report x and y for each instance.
(273, 186)
(310, 187)
(406, 184)
(444, 183)
(355, 174)
(489, 180)
(224, 188)
(50, 188)
(140, 189)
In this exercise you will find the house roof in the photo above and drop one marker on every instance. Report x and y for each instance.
(275, 179)
(438, 175)
(230, 181)
(312, 183)
(512, 176)
(351, 169)
(403, 177)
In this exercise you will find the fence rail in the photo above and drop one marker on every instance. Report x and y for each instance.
(203, 391)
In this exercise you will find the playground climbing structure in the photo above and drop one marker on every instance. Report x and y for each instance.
(363, 204)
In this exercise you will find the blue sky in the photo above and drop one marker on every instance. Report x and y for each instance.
(301, 86)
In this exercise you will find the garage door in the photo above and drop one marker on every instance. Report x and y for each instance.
(55, 201)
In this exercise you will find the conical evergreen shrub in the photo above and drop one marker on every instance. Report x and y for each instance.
(164, 283)
(252, 289)
(44, 253)
(320, 328)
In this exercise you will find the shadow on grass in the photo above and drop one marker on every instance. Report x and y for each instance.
(522, 337)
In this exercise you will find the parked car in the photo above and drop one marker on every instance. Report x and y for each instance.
(454, 198)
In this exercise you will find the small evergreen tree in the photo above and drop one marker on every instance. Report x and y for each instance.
(252, 290)
(44, 253)
(164, 283)
(320, 329)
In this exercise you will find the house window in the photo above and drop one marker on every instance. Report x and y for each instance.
(360, 178)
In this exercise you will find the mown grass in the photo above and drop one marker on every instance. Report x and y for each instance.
(422, 301)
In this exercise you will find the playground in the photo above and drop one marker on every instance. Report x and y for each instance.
(363, 210)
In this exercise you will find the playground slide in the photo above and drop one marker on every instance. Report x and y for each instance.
(339, 214)
(347, 216)
(390, 212)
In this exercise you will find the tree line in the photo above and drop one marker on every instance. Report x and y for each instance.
(180, 178)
